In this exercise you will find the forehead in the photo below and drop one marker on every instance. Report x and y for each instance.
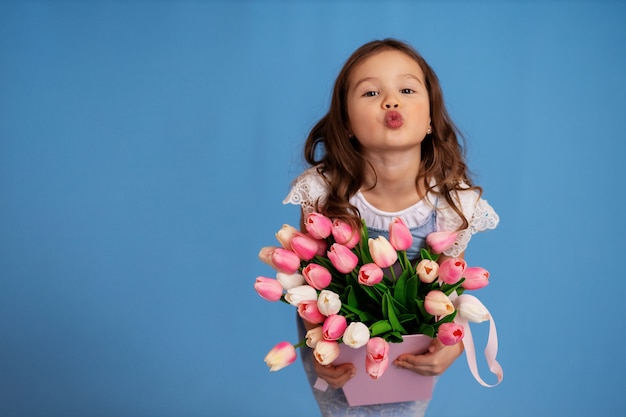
(387, 63)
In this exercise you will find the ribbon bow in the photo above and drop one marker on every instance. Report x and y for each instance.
(491, 350)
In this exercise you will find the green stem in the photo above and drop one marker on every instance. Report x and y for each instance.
(393, 272)
(301, 344)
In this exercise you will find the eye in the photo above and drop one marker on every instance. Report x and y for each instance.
(407, 91)
(370, 94)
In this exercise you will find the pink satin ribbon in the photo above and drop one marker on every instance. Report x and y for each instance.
(491, 350)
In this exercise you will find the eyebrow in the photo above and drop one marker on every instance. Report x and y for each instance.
(408, 75)
(414, 77)
(362, 80)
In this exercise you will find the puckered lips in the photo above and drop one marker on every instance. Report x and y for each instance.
(393, 119)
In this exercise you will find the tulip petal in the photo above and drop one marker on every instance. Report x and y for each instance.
(400, 236)
(281, 355)
(441, 241)
(438, 304)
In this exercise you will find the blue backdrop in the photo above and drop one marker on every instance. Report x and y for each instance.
(146, 147)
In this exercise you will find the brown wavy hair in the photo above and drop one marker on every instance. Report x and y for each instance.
(341, 162)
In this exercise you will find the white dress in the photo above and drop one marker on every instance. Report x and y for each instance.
(426, 216)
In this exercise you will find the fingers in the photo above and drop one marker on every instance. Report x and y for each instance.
(434, 362)
(424, 364)
(335, 375)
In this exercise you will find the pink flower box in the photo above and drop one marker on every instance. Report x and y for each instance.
(396, 384)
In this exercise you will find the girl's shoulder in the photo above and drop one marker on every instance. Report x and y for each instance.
(478, 212)
(307, 190)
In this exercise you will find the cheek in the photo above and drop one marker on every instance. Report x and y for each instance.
(359, 120)
(422, 112)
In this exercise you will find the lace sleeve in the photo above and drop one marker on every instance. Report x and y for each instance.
(307, 190)
(480, 214)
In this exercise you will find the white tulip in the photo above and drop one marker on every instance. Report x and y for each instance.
(356, 335)
(470, 308)
(289, 281)
(301, 293)
(328, 303)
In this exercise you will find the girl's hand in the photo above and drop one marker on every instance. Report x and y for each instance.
(434, 362)
(335, 375)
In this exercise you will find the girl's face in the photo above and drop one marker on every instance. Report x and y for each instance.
(388, 103)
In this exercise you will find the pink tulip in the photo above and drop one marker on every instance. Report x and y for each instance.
(451, 270)
(427, 270)
(322, 246)
(400, 236)
(370, 274)
(268, 288)
(334, 326)
(309, 311)
(376, 369)
(304, 246)
(377, 357)
(281, 355)
(475, 278)
(438, 304)
(285, 261)
(318, 225)
(317, 276)
(326, 351)
(441, 241)
(342, 258)
(383, 254)
(450, 333)
(344, 234)
(285, 234)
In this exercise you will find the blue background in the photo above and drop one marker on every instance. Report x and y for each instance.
(145, 149)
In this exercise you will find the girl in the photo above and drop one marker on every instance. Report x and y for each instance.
(387, 148)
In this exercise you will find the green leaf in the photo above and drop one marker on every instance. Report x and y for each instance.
(350, 296)
(412, 284)
(393, 337)
(447, 289)
(399, 290)
(373, 293)
(427, 329)
(351, 308)
(406, 318)
(391, 314)
(380, 327)
(427, 317)
(367, 317)
(363, 245)
(400, 307)
(407, 266)
(447, 319)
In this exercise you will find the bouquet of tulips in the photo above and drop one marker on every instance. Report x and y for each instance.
(365, 292)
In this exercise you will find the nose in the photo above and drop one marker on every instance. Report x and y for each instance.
(391, 101)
